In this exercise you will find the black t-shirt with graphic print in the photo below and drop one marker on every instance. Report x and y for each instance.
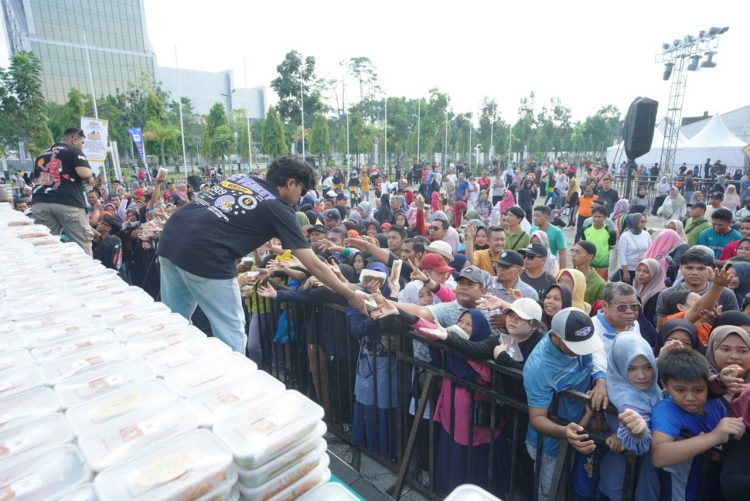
(206, 236)
(56, 178)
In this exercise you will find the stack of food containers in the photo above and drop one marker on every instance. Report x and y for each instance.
(106, 394)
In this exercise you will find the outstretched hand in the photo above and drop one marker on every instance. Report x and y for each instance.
(384, 308)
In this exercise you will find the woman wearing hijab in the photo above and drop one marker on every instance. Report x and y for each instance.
(735, 475)
(648, 282)
(728, 355)
(662, 248)
(575, 282)
(676, 225)
(739, 279)
(365, 211)
(674, 207)
(632, 387)
(555, 299)
(384, 213)
(633, 244)
(526, 197)
(731, 199)
(561, 190)
(503, 205)
(662, 189)
(619, 213)
(680, 330)
(552, 265)
(640, 199)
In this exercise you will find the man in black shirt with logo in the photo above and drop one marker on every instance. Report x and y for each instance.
(202, 241)
(58, 198)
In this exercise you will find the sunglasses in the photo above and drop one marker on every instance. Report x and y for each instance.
(530, 256)
(622, 307)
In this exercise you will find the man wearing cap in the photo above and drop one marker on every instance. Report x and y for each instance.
(331, 218)
(534, 259)
(515, 237)
(511, 287)
(581, 256)
(714, 203)
(696, 223)
(720, 234)
(107, 245)
(486, 258)
(561, 361)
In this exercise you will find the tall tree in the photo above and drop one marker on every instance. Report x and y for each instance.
(365, 73)
(320, 143)
(160, 133)
(273, 135)
(218, 140)
(70, 113)
(287, 86)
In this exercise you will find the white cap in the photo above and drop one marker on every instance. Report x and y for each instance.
(526, 309)
(442, 248)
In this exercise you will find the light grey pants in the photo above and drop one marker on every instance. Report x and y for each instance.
(72, 220)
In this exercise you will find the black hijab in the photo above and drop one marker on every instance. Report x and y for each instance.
(567, 302)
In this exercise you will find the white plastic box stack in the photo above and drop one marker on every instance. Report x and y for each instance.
(106, 394)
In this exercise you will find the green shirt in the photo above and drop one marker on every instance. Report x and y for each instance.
(600, 238)
(693, 229)
(595, 285)
(518, 240)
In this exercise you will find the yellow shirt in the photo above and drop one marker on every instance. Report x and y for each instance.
(366, 184)
(483, 260)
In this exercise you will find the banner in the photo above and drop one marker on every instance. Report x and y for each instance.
(137, 136)
(95, 147)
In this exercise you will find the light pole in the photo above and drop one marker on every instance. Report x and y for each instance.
(674, 56)
(179, 105)
(249, 133)
(302, 109)
(445, 145)
(419, 119)
(385, 135)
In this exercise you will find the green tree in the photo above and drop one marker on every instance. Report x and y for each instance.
(273, 135)
(218, 138)
(160, 133)
(287, 87)
(70, 113)
(365, 73)
(320, 143)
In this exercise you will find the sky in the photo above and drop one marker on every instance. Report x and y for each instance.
(586, 53)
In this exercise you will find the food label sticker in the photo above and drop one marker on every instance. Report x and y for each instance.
(21, 487)
(138, 430)
(86, 362)
(166, 469)
(105, 382)
(13, 444)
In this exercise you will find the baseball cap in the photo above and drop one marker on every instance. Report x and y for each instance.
(535, 249)
(511, 258)
(526, 308)
(587, 246)
(475, 274)
(319, 227)
(442, 248)
(699, 205)
(332, 214)
(113, 223)
(576, 331)
(432, 261)
(340, 196)
(717, 195)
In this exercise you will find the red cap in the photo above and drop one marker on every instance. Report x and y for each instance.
(436, 262)
(138, 193)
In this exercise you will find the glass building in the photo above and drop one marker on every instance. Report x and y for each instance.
(120, 53)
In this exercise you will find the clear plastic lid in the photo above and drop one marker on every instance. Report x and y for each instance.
(470, 492)
(30, 287)
(15, 381)
(248, 390)
(37, 308)
(62, 333)
(89, 297)
(96, 286)
(84, 361)
(84, 273)
(80, 389)
(38, 325)
(33, 436)
(109, 302)
(149, 326)
(154, 311)
(329, 491)
(285, 469)
(84, 492)
(255, 435)
(185, 467)
(13, 359)
(116, 404)
(200, 376)
(29, 404)
(284, 477)
(187, 353)
(227, 490)
(316, 477)
(167, 340)
(44, 476)
(72, 346)
(109, 443)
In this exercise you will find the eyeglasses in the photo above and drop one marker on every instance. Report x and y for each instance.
(529, 257)
(438, 228)
(623, 307)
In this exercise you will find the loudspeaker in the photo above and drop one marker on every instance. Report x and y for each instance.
(638, 130)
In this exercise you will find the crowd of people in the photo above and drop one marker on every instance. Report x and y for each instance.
(654, 322)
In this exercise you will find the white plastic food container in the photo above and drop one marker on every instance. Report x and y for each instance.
(185, 467)
(329, 491)
(39, 308)
(30, 437)
(151, 326)
(14, 359)
(80, 389)
(120, 438)
(165, 341)
(88, 297)
(184, 354)
(200, 376)
(29, 404)
(45, 476)
(84, 361)
(96, 286)
(109, 302)
(255, 435)
(135, 314)
(470, 492)
(84, 492)
(70, 347)
(227, 490)
(17, 380)
(61, 332)
(116, 404)
(316, 477)
(248, 390)
(286, 469)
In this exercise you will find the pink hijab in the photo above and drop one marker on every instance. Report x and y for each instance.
(507, 204)
(664, 243)
(435, 201)
(648, 290)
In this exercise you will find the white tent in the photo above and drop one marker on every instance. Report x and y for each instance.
(616, 154)
(714, 141)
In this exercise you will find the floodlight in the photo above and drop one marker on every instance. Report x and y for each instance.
(689, 39)
(665, 46)
(693, 66)
(668, 70)
(702, 34)
(677, 43)
(724, 30)
(713, 31)
(709, 62)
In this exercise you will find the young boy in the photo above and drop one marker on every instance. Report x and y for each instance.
(687, 411)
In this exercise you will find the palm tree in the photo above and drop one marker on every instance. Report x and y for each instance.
(160, 133)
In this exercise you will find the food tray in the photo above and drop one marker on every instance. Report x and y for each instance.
(151, 326)
(44, 476)
(226, 490)
(29, 404)
(319, 475)
(109, 302)
(167, 361)
(84, 361)
(17, 380)
(200, 376)
(80, 389)
(167, 340)
(120, 438)
(57, 332)
(227, 398)
(185, 467)
(286, 469)
(258, 434)
(14, 359)
(135, 314)
(72, 346)
(30, 437)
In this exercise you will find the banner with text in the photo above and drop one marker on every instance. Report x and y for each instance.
(95, 147)
(136, 134)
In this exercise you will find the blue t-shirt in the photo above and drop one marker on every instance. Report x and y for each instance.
(546, 372)
(672, 420)
(556, 239)
(716, 242)
(461, 188)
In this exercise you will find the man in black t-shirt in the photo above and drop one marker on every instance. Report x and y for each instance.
(202, 242)
(607, 196)
(60, 172)
(108, 246)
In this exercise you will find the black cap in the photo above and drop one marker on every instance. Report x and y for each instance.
(332, 214)
(535, 250)
(511, 258)
(319, 227)
(717, 195)
(699, 205)
(588, 247)
(576, 330)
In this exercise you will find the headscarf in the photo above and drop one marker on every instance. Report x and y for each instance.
(349, 274)
(567, 302)
(664, 243)
(718, 335)
(579, 288)
(365, 224)
(355, 217)
(677, 324)
(621, 207)
(572, 188)
(506, 204)
(473, 216)
(633, 223)
(458, 213)
(365, 206)
(734, 317)
(435, 201)
(384, 212)
(743, 272)
(731, 198)
(552, 266)
(301, 219)
(621, 393)
(679, 228)
(655, 285)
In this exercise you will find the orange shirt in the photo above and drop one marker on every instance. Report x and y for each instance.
(703, 329)
(483, 260)
(584, 205)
